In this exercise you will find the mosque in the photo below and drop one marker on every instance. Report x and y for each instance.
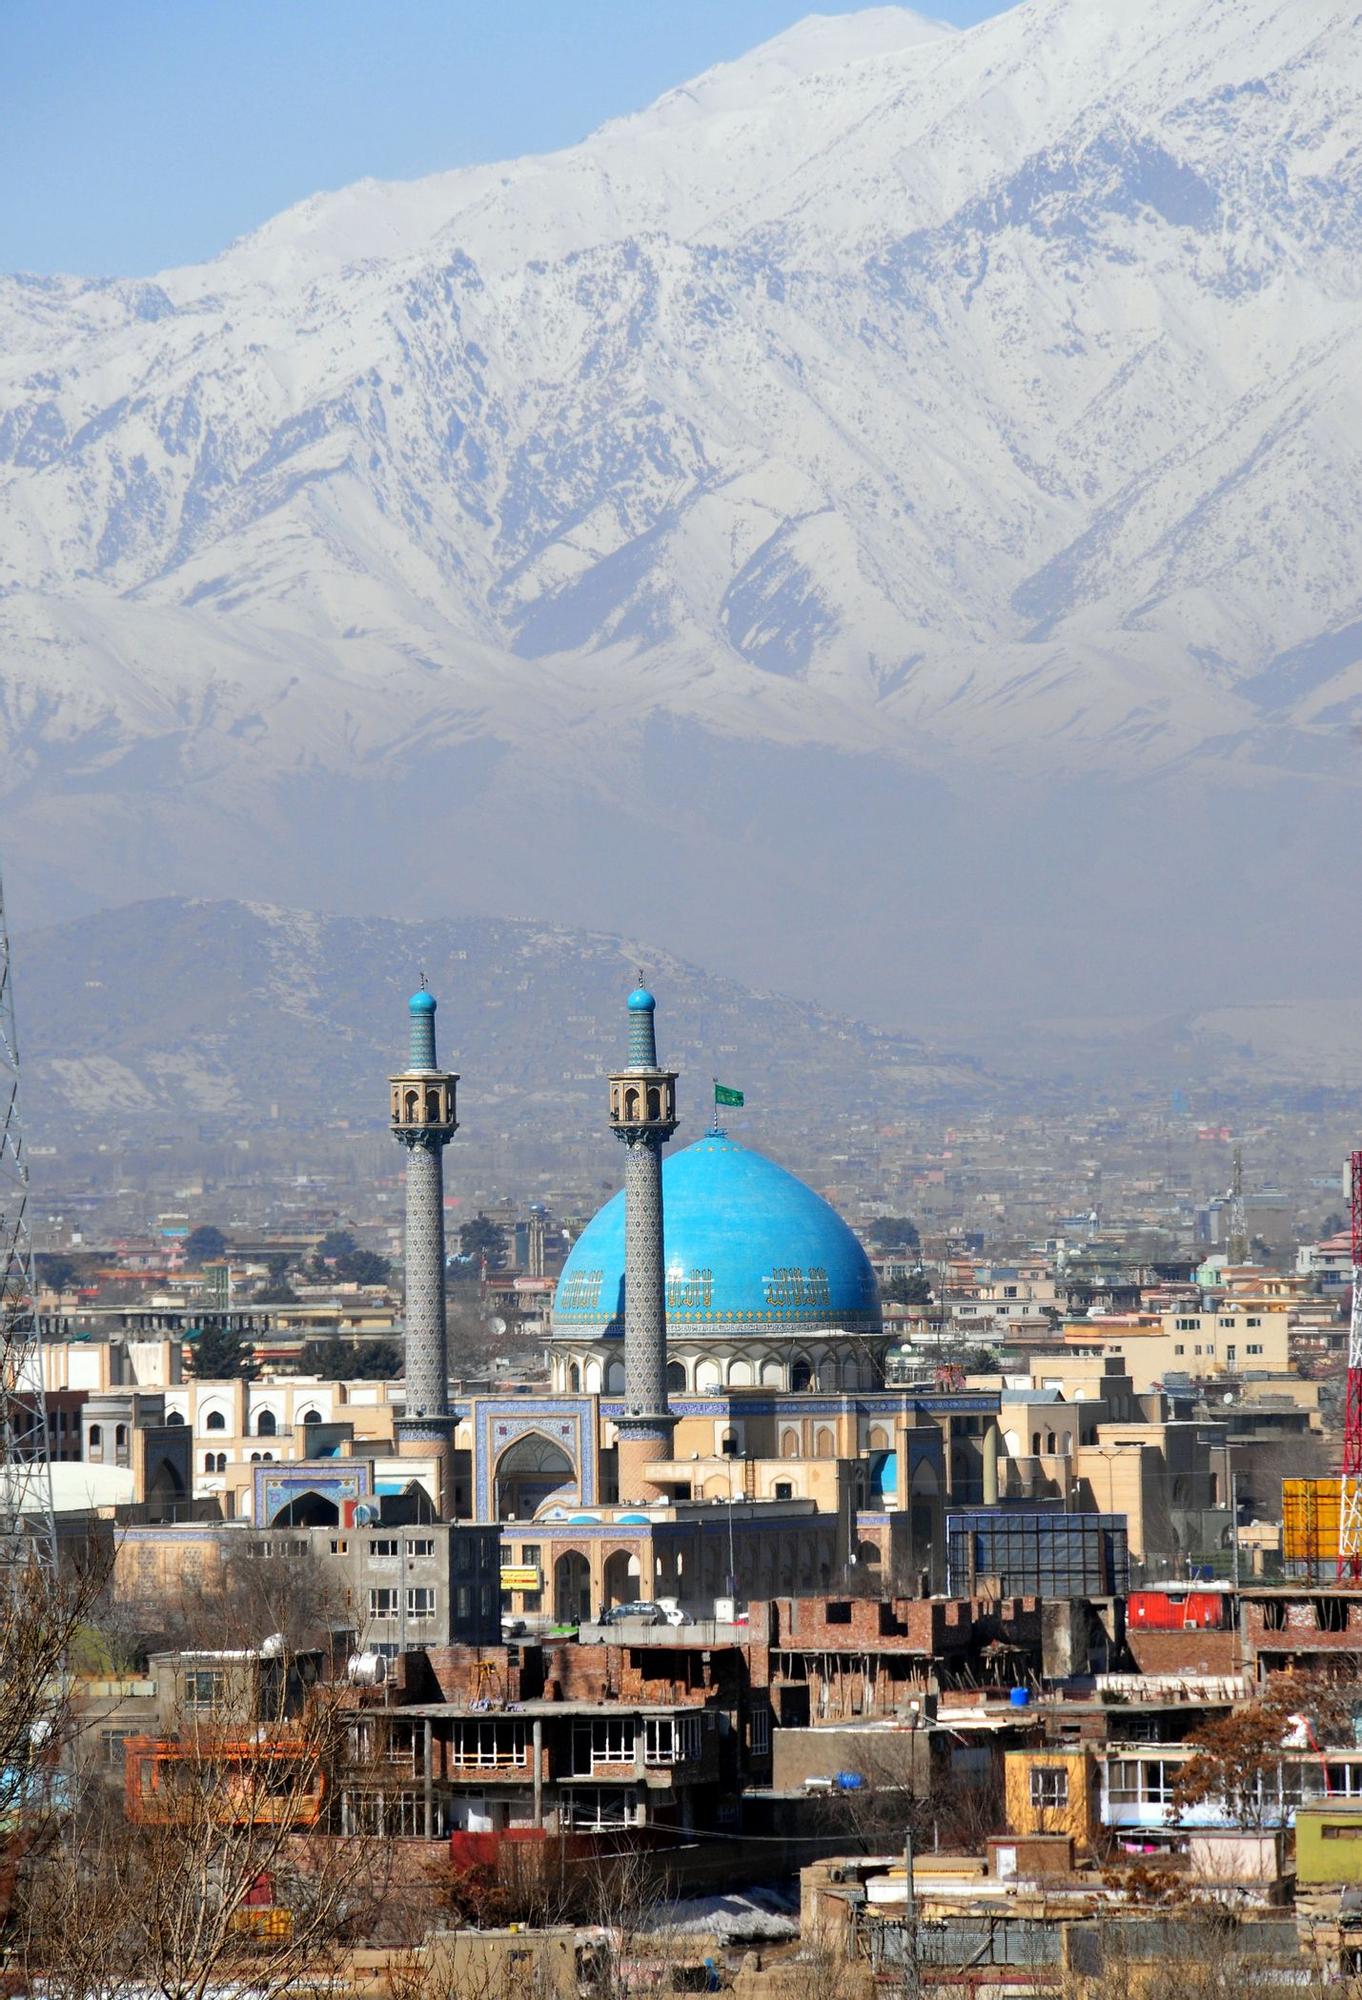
(717, 1423)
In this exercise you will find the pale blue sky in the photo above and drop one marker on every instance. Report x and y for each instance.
(135, 134)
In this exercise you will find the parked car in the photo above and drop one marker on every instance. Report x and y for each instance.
(638, 1613)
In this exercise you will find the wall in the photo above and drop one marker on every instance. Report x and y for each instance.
(1078, 1818)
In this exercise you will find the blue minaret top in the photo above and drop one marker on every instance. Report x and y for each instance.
(422, 1010)
(642, 1045)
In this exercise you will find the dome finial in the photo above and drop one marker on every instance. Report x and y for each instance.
(421, 1013)
(642, 1045)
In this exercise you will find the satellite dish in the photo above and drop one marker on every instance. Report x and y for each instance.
(498, 1324)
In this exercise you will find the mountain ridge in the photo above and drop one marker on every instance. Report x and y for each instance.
(978, 404)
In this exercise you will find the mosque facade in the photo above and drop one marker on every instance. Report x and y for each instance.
(716, 1423)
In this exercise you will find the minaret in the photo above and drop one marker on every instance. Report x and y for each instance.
(423, 1121)
(643, 1115)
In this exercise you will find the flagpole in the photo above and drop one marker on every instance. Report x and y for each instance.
(715, 1082)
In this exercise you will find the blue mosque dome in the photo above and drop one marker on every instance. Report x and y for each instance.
(640, 1001)
(749, 1250)
(422, 1002)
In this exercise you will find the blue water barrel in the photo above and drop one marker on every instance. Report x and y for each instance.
(848, 1781)
(1020, 1697)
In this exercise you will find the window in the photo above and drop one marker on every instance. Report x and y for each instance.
(111, 1743)
(602, 1739)
(381, 1550)
(340, 1548)
(121, 1437)
(96, 1437)
(463, 1602)
(174, 1417)
(420, 1601)
(266, 1425)
(1254, 1347)
(1189, 1326)
(1179, 1349)
(312, 1416)
(215, 1421)
(421, 1545)
(529, 1555)
(383, 1603)
(784, 1490)
(487, 1745)
(1049, 1786)
(1229, 1323)
(592, 1808)
(1251, 1321)
(838, 1614)
(204, 1689)
(761, 1732)
(671, 1739)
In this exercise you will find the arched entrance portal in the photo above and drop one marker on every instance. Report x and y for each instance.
(529, 1472)
(572, 1588)
(309, 1510)
(623, 1579)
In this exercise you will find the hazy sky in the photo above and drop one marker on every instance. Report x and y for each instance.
(145, 133)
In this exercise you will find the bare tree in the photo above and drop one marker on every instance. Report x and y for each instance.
(220, 1871)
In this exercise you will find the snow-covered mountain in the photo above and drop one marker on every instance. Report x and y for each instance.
(896, 411)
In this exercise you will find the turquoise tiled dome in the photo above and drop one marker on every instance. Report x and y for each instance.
(749, 1249)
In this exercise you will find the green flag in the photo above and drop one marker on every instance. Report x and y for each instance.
(723, 1095)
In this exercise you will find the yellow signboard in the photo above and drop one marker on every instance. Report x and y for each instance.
(519, 1576)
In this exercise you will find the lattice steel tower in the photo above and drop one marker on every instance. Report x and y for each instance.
(423, 1120)
(643, 1115)
(28, 1530)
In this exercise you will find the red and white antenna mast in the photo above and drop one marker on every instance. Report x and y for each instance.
(1350, 1495)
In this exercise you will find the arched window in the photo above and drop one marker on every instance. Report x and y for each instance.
(96, 1437)
(1066, 1442)
(654, 1104)
(1035, 1444)
(222, 1461)
(215, 1421)
(210, 1463)
(432, 1107)
(631, 1104)
(255, 1458)
(676, 1375)
(120, 1437)
(789, 1444)
(1049, 1442)
(801, 1375)
(266, 1426)
(174, 1417)
(267, 1457)
(823, 1443)
(575, 1379)
(312, 1416)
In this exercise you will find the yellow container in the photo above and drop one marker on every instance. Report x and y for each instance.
(1310, 1509)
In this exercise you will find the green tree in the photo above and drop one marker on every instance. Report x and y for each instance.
(276, 1287)
(205, 1244)
(482, 1238)
(219, 1355)
(894, 1232)
(335, 1244)
(362, 1267)
(352, 1360)
(912, 1289)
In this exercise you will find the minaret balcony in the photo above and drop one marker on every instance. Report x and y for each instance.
(423, 1102)
(643, 1100)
